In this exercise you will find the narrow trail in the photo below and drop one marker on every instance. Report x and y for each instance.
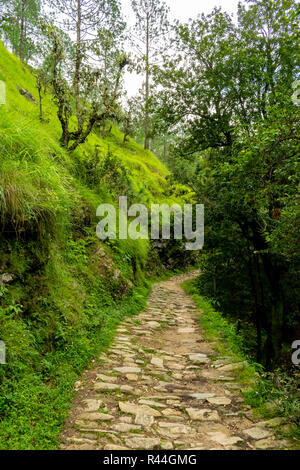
(157, 388)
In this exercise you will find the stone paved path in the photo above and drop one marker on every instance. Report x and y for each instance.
(157, 388)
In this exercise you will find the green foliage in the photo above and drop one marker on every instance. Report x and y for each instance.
(228, 93)
(19, 21)
(277, 394)
(215, 325)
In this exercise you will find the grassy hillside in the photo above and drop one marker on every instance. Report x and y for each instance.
(62, 292)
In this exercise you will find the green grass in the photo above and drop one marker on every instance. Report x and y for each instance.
(216, 327)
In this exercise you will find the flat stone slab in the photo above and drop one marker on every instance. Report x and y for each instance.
(153, 324)
(82, 440)
(144, 443)
(132, 377)
(92, 405)
(114, 447)
(257, 433)
(128, 370)
(125, 427)
(96, 416)
(194, 356)
(106, 378)
(175, 366)
(144, 420)
(186, 330)
(223, 439)
(201, 396)
(219, 401)
(171, 412)
(143, 401)
(103, 386)
(134, 409)
(175, 428)
(270, 443)
(203, 414)
(157, 362)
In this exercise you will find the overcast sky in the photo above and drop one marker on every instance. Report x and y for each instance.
(185, 9)
(181, 10)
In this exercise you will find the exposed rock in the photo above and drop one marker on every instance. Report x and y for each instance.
(125, 427)
(257, 433)
(132, 377)
(144, 443)
(153, 324)
(199, 358)
(114, 447)
(143, 401)
(186, 330)
(92, 405)
(144, 420)
(128, 370)
(131, 408)
(223, 439)
(203, 415)
(27, 95)
(6, 278)
(106, 378)
(96, 416)
(177, 376)
(103, 386)
(171, 412)
(156, 361)
(81, 440)
(167, 445)
(271, 444)
(219, 401)
(201, 396)
(175, 428)
(126, 419)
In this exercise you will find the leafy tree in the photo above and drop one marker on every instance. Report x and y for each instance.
(150, 29)
(90, 70)
(85, 20)
(107, 50)
(94, 105)
(19, 23)
(128, 119)
(229, 89)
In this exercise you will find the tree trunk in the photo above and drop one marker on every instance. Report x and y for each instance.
(165, 148)
(39, 87)
(22, 30)
(124, 140)
(147, 117)
(78, 60)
